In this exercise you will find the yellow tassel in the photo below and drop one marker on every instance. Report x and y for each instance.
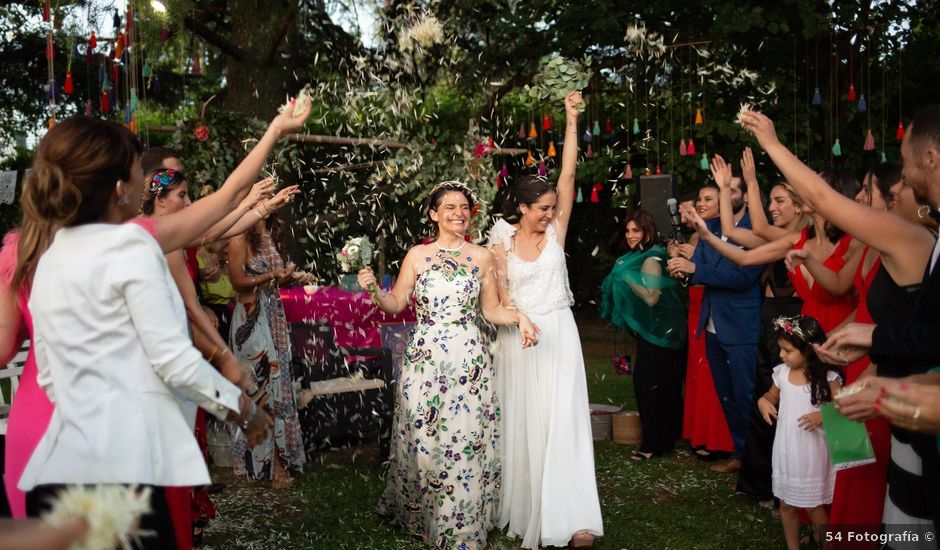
(529, 161)
(533, 133)
(698, 116)
(551, 149)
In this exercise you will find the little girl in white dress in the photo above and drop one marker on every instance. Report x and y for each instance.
(803, 476)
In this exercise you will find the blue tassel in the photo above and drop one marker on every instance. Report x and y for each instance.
(817, 98)
(588, 138)
(127, 113)
(862, 104)
(884, 158)
(837, 149)
(155, 84)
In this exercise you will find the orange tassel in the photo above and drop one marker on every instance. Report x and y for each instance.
(698, 116)
(134, 125)
(900, 133)
(551, 149)
(533, 133)
(529, 161)
(51, 121)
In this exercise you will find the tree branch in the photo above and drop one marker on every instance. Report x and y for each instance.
(214, 38)
(282, 31)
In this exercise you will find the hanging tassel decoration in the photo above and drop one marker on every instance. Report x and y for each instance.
(504, 171)
(636, 126)
(590, 152)
(596, 192)
(837, 149)
(647, 171)
(551, 150)
(698, 116)
(89, 108)
(580, 198)
(529, 161)
(628, 172)
(587, 138)
(703, 163)
(479, 150)
(134, 101)
(546, 123)
(50, 49)
(45, 11)
(533, 133)
(851, 95)
(690, 150)
(884, 157)
(900, 133)
(608, 126)
(817, 98)
(155, 84)
(659, 170)
(862, 104)
(93, 41)
(869, 141)
(114, 73)
(543, 171)
(491, 143)
(105, 102)
(197, 68)
(521, 134)
(134, 125)
(69, 87)
(597, 128)
(682, 149)
(164, 34)
(147, 71)
(499, 181)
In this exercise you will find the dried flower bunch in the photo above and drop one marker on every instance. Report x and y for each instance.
(425, 33)
(113, 513)
(558, 77)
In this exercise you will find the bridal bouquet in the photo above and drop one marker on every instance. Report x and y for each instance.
(113, 513)
(559, 76)
(355, 254)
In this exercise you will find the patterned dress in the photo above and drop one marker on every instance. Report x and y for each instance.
(444, 474)
(260, 339)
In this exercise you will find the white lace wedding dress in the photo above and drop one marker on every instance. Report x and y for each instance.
(549, 490)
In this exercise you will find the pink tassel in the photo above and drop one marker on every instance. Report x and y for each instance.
(590, 152)
(543, 171)
(682, 150)
(690, 150)
(628, 172)
(504, 171)
(522, 133)
(869, 141)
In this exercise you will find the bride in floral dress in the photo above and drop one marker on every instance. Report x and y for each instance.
(444, 467)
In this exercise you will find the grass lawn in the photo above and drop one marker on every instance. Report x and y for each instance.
(672, 502)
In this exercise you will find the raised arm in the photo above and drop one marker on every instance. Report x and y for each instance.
(189, 224)
(755, 208)
(886, 232)
(569, 162)
(263, 209)
(721, 171)
(260, 190)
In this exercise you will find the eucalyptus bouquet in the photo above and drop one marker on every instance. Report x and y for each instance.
(558, 76)
(355, 254)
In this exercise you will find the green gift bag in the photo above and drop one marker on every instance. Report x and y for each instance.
(849, 445)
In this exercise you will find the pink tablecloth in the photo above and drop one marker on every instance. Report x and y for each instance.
(354, 317)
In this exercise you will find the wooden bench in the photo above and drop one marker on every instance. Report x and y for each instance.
(10, 382)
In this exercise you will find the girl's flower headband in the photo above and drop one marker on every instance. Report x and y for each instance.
(789, 326)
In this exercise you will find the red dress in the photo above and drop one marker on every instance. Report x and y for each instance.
(829, 310)
(703, 422)
(859, 493)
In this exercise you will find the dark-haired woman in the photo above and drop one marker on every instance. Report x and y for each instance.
(110, 340)
(444, 471)
(549, 495)
(260, 338)
(639, 298)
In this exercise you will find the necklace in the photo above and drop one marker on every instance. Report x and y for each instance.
(442, 249)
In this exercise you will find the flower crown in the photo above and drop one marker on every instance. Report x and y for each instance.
(454, 185)
(163, 178)
(790, 326)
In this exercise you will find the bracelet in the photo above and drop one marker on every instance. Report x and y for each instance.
(265, 208)
(220, 356)
(212, 355)
(250, 417)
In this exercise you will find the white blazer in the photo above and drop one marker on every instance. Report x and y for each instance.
(114, 355)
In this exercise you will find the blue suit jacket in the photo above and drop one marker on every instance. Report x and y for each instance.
(732, 295)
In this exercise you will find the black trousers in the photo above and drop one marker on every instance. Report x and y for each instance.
(657, 383)
(158, 521)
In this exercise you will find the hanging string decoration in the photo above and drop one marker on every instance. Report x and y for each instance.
(546, 123)
(596, 192)
(533, 133)
(551, 150)
(683, 150)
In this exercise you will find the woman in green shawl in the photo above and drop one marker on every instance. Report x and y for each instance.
(639, 297)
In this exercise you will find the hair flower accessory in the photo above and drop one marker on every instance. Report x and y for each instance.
(789, 326)
(161, 179)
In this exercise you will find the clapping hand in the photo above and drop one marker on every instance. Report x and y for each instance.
(721, 171)
(795, 258)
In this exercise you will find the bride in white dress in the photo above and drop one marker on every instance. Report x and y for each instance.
(549, 493)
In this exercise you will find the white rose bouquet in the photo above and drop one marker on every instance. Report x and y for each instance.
(355, 254)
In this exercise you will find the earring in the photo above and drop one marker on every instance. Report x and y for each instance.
(923, 211)
(125, 200)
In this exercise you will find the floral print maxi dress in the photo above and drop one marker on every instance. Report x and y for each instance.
(260, 339)
(444, 473)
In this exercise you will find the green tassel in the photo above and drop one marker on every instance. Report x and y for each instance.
(147, 70)
(580, 196)
(636, 126)
(884, 158)
(703, 164)
(597, 128)
(134, 100)
(837, 149)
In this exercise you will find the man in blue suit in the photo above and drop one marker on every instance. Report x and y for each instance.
(731, 320)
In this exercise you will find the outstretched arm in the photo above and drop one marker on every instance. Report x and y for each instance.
(763, 254)
(569, 162)
(189, 224)
(882, 230)
(762, 228)
(721, 171)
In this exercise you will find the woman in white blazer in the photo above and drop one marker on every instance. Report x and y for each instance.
(109, 326)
